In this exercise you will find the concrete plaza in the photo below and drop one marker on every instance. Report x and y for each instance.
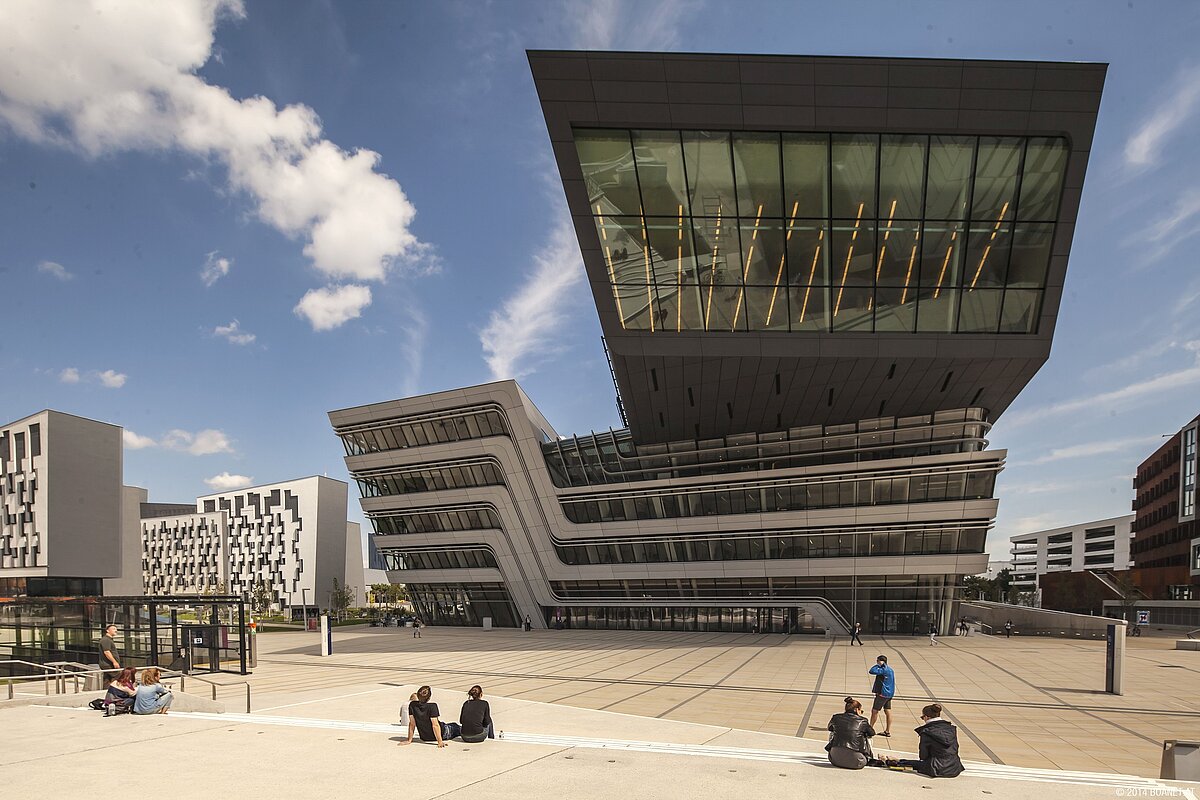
(591, 714)
(1022, 701)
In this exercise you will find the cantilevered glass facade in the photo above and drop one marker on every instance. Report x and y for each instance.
(816, 232)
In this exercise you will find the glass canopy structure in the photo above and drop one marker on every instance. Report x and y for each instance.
(820, 232)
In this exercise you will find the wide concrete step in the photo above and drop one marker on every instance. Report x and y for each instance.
(1109, 781)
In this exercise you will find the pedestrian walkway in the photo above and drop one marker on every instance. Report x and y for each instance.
(1023, 702)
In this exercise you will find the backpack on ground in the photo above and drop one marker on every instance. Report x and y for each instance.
(96, 705)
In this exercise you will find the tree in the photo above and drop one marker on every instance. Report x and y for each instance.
(1003, 582)
(382, 593)
(340, 598)
(261, 597)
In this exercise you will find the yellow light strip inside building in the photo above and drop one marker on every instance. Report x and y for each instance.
(612, 274)
(782, 260)
(746, 270)
(849, 254)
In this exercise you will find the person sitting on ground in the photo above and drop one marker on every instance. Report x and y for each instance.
(423, 718)
(938, 750)
(121, 692)
(152, 697)
(849, 738)
(476, 718)
(404, 716)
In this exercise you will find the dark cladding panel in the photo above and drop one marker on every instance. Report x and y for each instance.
(696, 286)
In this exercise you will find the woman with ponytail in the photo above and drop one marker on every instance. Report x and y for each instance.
(849, 738)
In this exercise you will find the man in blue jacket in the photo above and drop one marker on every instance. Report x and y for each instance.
(884, 690)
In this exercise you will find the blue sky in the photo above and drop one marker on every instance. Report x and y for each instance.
(220, 221)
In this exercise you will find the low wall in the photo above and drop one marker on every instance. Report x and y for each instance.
(182, 702)
(1038, 621)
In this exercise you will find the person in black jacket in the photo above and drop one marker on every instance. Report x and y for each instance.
(938, 749)
(476, 718)
(849, 738)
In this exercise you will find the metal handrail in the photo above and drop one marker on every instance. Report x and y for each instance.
(184, 678)
(60, 676)
(1190, 636)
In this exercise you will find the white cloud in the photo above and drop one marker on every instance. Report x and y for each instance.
(523, 332)
(1036, 522)
(134, 441)
(226, 482)
(1088, 449)
(112, 379)
(630, 25)
(69, 375)
(216, 267)
(234, 334)
(1124, 396)
(333, 306)
(1145, 147)
(200, 443)
(123, 77)
(55, 269)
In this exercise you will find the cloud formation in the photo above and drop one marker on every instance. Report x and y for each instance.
(225, 482)
(1124, 396)
(216, 267)
(111, 379)
(69, 375)
(333, 306)
(234, 334)
(56, 270)
(522, 333)
(200, 443)
(1099, 448)
(101, 78)
(1144, 148)
(134, 441)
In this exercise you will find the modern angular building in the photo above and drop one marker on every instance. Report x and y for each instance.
(291, 536)
(67, 524)
(820, 281)
(1098, 546)
(1166, 547)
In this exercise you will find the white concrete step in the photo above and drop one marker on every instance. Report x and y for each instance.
(1113, 781)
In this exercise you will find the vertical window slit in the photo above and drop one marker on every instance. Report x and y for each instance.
(946, 383)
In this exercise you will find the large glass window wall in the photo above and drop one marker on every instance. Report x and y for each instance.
(737, 231)
(613, 457)
(458, 558)
(436, 520)
(430, 478)
(795, 495)
(424, 430)
(821, 543)
(463, 604)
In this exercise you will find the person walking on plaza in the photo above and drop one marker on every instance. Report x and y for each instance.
(938, 750)
(416, 629)
(849, 738)
(110, 657)
(884, 690)
(932, 634)
(854, 632)
(528, 624)
(1008, 626)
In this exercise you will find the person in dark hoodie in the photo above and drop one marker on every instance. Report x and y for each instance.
(938, 749)
(849, 738)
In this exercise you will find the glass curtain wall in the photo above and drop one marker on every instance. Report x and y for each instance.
(737, 231)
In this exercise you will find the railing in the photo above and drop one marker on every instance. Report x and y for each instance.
(1191, 634)
(184, 678)
(58, 675)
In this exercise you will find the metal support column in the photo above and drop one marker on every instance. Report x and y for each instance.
(243, 642)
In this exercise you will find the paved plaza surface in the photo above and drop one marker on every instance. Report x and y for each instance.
(1030, 702)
